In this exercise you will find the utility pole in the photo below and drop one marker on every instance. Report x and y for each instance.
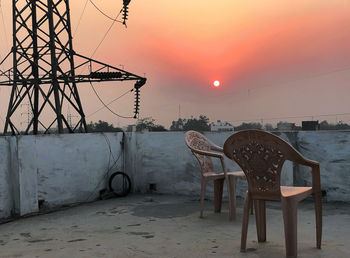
(28, 113)
(69, 117)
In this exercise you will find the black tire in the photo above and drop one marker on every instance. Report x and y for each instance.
(119, 183)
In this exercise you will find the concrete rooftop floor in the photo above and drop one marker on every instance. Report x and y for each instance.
(168, 226)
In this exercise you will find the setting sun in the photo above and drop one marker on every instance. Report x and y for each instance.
(216, 83)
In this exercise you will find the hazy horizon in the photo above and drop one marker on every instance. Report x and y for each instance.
(274, 59)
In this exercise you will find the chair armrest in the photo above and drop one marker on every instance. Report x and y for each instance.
(216, 148)
(308, 162)
(316, 175)
(208, 153)
(215, 155)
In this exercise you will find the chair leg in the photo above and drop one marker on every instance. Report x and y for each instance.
(247, 203)
(231, 187)
(318, 213)
(290, 214)
(204, 183)
(218, 191)
(260, 218)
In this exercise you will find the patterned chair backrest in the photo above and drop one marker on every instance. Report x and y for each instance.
(197, 141)
(261, 156)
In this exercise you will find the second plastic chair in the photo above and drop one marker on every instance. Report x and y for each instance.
(203, 149)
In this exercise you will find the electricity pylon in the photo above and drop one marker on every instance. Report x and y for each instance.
(44, 72)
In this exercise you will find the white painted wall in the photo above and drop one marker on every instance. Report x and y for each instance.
(77, 168)
(70, 168)
(6, 196)
(58, 169)
(332, 150)
(162, 158)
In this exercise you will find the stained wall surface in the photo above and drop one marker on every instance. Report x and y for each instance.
(162, 158)
(56, 170)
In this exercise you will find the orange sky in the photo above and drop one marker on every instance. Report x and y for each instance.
(257, 49)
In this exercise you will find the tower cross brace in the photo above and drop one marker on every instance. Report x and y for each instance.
(44, 72)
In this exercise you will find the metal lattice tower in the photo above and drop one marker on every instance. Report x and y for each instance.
(44, 72)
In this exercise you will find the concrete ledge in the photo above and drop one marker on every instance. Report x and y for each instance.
(63, 169)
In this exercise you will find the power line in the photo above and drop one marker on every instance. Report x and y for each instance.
(106, 106)
(2, 119)
(104, 14)
(80, 18)
(317, 75)
(241, 91)
(110, 103)
(3, 23)
(105, 35)
(109, 166)
(5, 32)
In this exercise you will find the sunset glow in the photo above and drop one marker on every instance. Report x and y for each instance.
(260, 57)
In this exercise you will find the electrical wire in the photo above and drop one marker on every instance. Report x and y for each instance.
(243, 91)
(110, 102)
(72, 205)
(4, 25)
(80, 18)
(109, 167)
(2, 119)
(105, 35)
(104, 14)
(93, 88)
(307, 77)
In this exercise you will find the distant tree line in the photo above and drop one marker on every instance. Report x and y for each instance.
(324, 125)
(148, 124)
(202, 124)
(144, 124)
(102, 126)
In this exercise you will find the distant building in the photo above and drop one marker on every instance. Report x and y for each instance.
(310, 125)
(285, 126)
(221, 126)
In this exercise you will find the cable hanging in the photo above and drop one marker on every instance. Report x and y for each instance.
(104, 37)
(137, 85)
(111, 102)
(106, 106)
(104, 14)
(4, 25)
(80, 18)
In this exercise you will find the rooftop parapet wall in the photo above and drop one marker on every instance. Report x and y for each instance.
(64, 169)
(55, 169)
(162, 158)
(332, 150)
(6, 196)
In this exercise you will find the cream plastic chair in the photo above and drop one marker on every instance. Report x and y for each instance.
(261, 155)
(203, 149)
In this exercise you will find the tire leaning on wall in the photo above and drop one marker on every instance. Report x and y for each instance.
(119, 183)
